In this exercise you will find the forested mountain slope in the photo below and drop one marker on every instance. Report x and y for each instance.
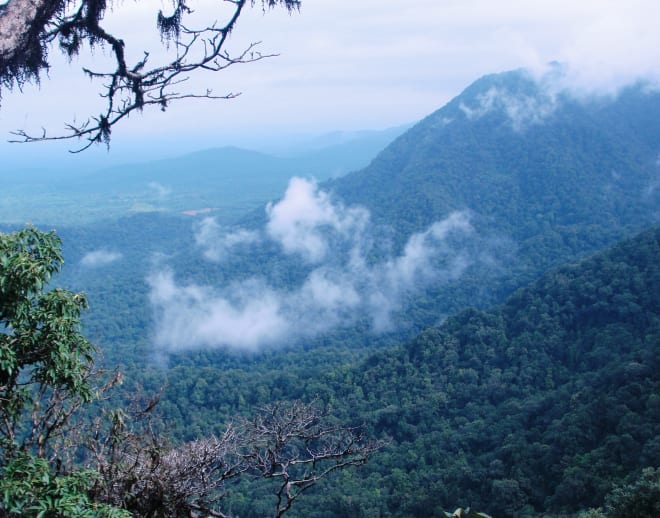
(538, 406)
(543, 173)
(522, 155)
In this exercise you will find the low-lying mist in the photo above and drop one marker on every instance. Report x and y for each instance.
(349, 276)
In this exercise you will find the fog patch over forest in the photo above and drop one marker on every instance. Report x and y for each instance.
(525, 106)
(162, 191)
(99, 258)
(345, 283)
(521, 110)
(217, 242)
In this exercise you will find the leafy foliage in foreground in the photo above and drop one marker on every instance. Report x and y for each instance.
(46, 375)
(30, 488)
(55, 465)
(45, 361)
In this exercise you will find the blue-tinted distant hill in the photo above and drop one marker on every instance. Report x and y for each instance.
(255, 172)
(229, 180)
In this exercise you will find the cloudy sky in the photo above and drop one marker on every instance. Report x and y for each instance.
(347, 65)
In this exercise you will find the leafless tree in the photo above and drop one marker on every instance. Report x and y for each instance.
(29, 28)
(291, 443)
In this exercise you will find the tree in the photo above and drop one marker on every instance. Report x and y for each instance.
(288, 446)
(29, 28)
(640, 498)
(118, 463)
(45, 362)
(46, 375)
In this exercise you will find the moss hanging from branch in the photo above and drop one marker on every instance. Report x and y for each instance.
(29, 29)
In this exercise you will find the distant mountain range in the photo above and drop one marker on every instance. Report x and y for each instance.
(251, 173)
(230, 180)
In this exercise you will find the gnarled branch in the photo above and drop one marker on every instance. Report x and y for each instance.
(290, 442)
(29, 27)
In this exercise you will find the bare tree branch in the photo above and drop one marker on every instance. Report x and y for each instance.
(290, 443)
(129, 87)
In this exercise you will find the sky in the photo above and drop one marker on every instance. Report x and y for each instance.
(342, 65)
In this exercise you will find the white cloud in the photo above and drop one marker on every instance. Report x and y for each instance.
(330, 290)
(340, 287)
(301, 221)
(99, 258)
(425, 259)
(194, 316)
(618, 44)
(421, 248)
(521, 110)
(217, 242)
(160, 190)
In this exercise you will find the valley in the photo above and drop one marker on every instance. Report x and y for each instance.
(480, 292)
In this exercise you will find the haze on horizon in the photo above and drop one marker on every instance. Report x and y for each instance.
(344, 65)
